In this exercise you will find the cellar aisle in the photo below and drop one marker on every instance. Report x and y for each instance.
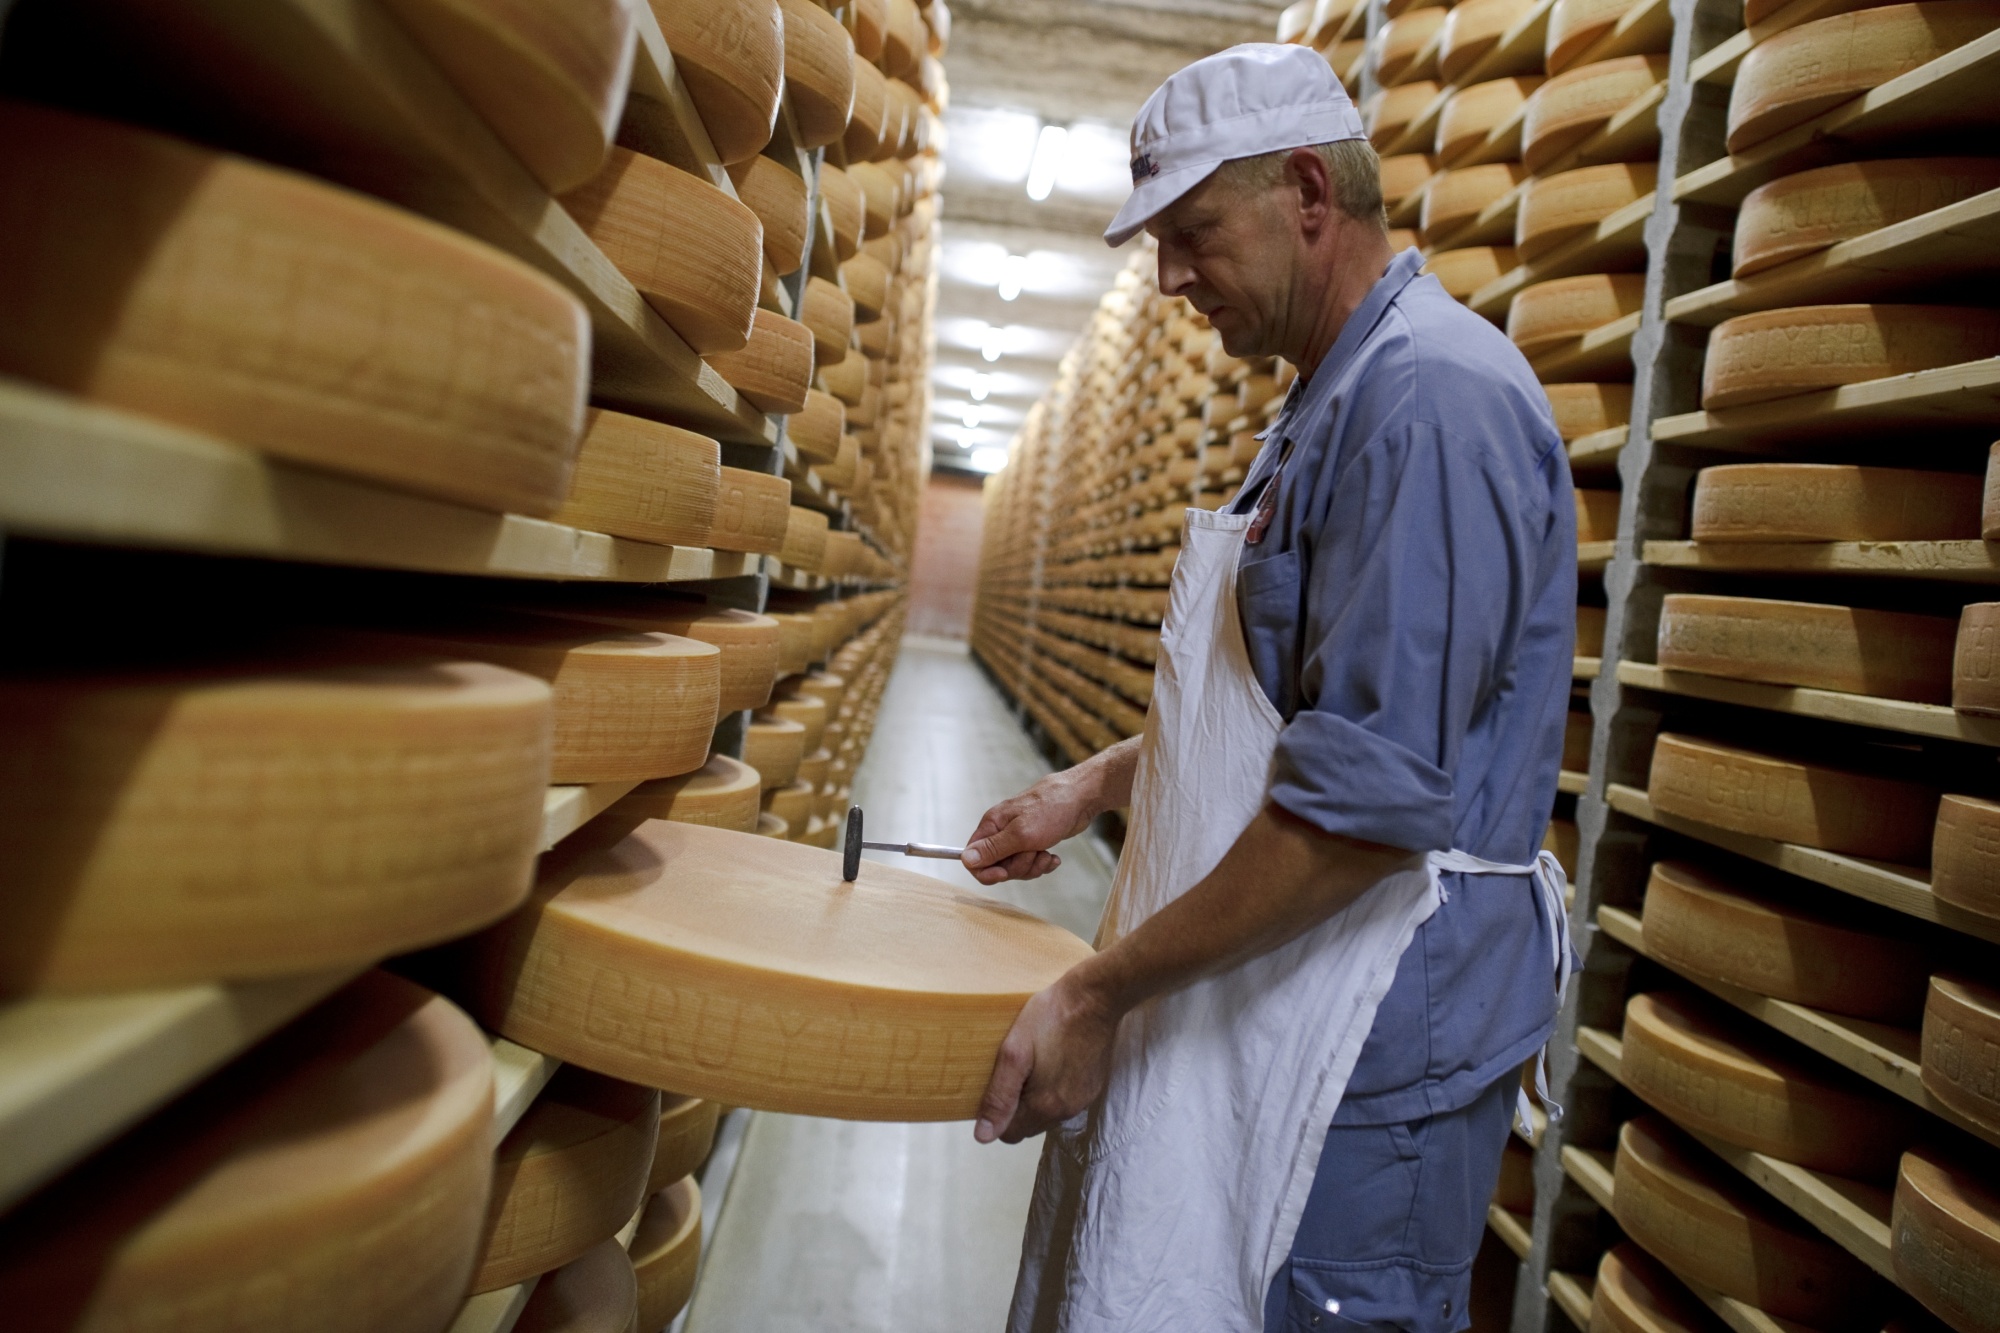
(839, 1227)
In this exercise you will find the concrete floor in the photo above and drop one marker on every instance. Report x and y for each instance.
(831, 1226)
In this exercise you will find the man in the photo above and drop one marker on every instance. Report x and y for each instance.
(1278, 1095)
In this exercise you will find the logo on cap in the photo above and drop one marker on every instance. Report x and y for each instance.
(1144, 168)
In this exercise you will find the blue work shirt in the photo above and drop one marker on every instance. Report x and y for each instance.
(1411, 612)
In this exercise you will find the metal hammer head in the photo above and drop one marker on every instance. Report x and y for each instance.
(850, 859)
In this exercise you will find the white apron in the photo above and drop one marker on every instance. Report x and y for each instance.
(1172, 1202)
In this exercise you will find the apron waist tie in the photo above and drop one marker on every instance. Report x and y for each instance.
(1552, 883)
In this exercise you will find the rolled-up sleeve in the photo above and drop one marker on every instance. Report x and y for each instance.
(1409, 614)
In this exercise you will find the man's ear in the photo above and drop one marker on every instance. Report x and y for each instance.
(1306, 172)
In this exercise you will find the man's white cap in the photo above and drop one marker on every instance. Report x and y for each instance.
(1257, 98)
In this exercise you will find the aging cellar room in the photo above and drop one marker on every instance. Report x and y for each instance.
(1062, 666)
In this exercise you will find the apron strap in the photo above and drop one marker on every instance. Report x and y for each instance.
(1552, 883)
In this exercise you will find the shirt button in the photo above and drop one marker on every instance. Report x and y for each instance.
(1445, 1310)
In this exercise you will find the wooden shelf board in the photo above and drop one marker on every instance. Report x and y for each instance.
(73, 471)
(1614, 242)
(1587, 668)
(1599, 450)
(1571, 1293)
(1514, 1231)
(1960, 90)
(1860, 710)
(494, 1311)
(660, 118)
(1901, 888)
(1954, 241)
(1600, 352)
(1953, 562)
(1590, 1168)
(1592, 557)
(1570, 782)
(566, 809)
(1851, 1213)
(1958, 398)
(1889, 1057)
(77, 1070)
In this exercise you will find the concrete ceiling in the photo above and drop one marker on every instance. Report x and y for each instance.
(1014, 67)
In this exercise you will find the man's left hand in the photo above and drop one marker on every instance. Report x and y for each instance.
(1055, 1062)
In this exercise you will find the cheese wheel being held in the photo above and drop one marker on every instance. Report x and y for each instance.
(1696, 922)
(549, 76)
(751, 512)
(744, 970)
(1585, 409)
(596, 1292)
(1559, 208)
(1775, 353)
(172, 827)
(1634, 1294)
(1832, 502)
(1792, 76)
(694, 253)
(1474, 113)
(1961, 1050)
(1853, 650)
(666, 1252)
(1577, 103)
(1944, 1239)
(332, 1179)
(1811, 210)
(819, 72)
(1548, 316)
(774, 370)
(567, 1176)
(723, 793)
(1728, 1079)
(350, 336)
(732, 55)
(1788, 800)
(644, 480)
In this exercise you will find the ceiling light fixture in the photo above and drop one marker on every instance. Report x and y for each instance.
(971, 418)
(990, 349)
(988, 460)
(982, 384)
(1011, 273)
(1047, 161)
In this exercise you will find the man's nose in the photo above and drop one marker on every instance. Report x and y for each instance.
(1176, 276)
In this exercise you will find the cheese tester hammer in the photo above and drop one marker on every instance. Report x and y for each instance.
(850, 862)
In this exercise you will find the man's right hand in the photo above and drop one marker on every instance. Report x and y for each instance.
(1014, 837)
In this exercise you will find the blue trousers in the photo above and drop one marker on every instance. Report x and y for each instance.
(1394, 1219)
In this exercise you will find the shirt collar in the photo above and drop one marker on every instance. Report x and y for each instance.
(1316, 394)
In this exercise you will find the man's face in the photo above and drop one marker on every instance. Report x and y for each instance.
(1230, 250)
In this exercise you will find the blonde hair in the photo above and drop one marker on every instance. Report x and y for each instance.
(1351, 166)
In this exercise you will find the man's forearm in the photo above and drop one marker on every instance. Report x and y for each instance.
(1280, 879)
(1105, 779)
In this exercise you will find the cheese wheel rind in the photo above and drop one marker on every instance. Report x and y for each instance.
(687, 1133)
(1965, 855)
(1584, 409)
(1810, 210)
(1575, 104)
(1577, 25)
(1975, 666)
(751, 512)
(265, 822)
(1472, 114)
(1944, 1240)
(1832, 502)
(1458, 196)
(1474, 28)
(1776, 353)
(1403, 174)
(1548, 315)
(819, 72)
(1464, 271)
(1558, 208)
(744, 970)
(1696, 922)
(644, 480)
(723, 793)
(732, 55)
(1634, 1294)
(773, 371)
(1961, 1048)
(284, 314)
(596, 1292)
(779, 197)
(1852, 650)
(666, 1252)
(1787, 800)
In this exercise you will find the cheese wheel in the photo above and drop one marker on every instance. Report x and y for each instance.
(644, 480)
(332, 1179)
(567, 1176)
(349, 335)
(868, 21)
(1463, 272)
(1596, 514)
(628, 706)
(774, 370)
(751, 513)
(1832, 502)
(1457, 197)
(1683, 1055)
(1774, 353)
(687, 1132)
(1811, 210)
(1712, 1227)
(1559, 208)
(1346, 58)
(1792, 76)
(1633, 1294)
(694, 253)
(1590, 631)
(816, 428)
(1402, 44)
(819, 72)
(829, 312)
(1474, 113)
(732, 55)
(805, 539)
(862, 140)
(1577, 25)
(774, 747)
(777, 196)
(1585, 409)
(796, 650)
(1853, 650)
(1961, 1050)
(1389, 112)
(809, 711)
(1579, 102)
(1790, 801)
(902, 38)
(867, 285)
(771, 826)
(744, 970)
(1989, 506)
(1547, 316)
(666, 1252)
(549, 78)
(846, 379)
(792, 803)
(1965, 855)
(814, 769)
(748, 642)
(723, 793)
(880, 197)
(1944, 1240)
(596, 1292)
(846, 210)
(1473, 29)
(1404, 174)
(171, 827)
